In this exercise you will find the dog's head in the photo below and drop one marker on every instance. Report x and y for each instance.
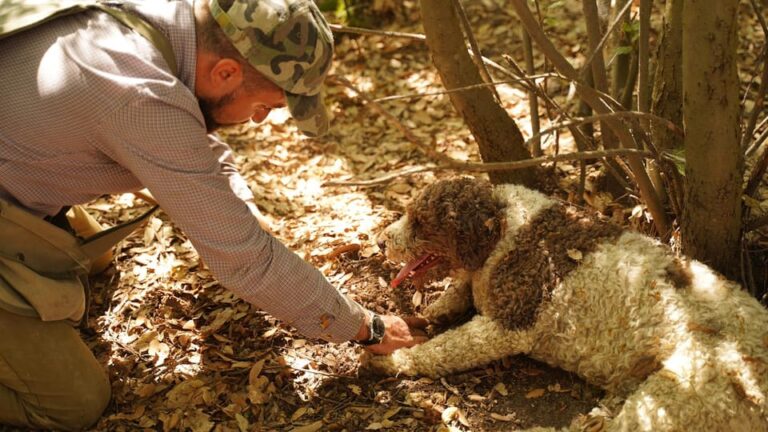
(452, 223)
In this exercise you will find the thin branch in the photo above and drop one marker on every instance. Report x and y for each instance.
(412, 36)
(756, 223)
(498, 67)
(606, 36)
(487, 61)
(431, 152)
(577, 121)
(594, 37)
(760, 97)
(363, 31)
(461, 89)
(582, 143)
(627, 92)
(647, 190)
(599, 77)
(422, 38)
(312, 371)
(757, 174)
(494, 166)
(580, 156)
(758, 105)
(477, 56)
(533, 100)
(759, 140)
(385, 178)
(545, 45)
(760, 19)
(643, 85)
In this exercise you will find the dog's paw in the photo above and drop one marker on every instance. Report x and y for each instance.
(378, 365)
(436, 314)
(433, 314)
(395, 364)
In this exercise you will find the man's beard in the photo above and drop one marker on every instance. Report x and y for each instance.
(209, 107)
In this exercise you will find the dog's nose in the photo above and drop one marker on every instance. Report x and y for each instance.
(382, 244)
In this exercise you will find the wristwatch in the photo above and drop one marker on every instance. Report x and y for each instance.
(376, 330)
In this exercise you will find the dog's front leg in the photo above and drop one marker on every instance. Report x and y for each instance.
(455, 301)
(476, 343)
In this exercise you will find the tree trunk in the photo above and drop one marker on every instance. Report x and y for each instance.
(668, 81)
(497, 135)
(714, 162)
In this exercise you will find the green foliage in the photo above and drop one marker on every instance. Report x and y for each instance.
(631, 30)
(351, 12)
(556, 5)
(327, 5)
(630, 33)
(338, 7)
(677, 156)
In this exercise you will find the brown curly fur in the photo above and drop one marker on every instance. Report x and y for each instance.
(540, 260)
(612, 318)
(679, 273)
(460, 220)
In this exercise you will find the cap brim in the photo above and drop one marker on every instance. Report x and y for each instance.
(309, 112)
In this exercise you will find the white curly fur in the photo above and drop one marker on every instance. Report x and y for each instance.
(693, 359)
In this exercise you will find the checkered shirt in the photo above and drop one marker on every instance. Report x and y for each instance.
(89, 107)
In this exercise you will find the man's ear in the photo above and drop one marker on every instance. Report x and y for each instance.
(226, 75)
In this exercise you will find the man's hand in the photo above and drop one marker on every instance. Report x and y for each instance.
(399, 333)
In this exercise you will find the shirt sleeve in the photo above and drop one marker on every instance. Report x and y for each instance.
(237, 183)
(194, 180)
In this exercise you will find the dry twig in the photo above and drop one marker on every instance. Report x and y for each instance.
(591, 96)
(465, 88)
(760, 97)
(475, 48)
(494, 166)
(430, 151)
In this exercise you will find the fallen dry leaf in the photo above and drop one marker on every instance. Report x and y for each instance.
(535, 393)
(242, 423)
(504, 418)
(417, 298)
(312, 427)
(450, 414)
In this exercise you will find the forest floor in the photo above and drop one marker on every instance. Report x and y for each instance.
(183, 353)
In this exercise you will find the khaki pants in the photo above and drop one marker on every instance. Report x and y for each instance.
(48, 377)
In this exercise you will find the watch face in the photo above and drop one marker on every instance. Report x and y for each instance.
(378, 328)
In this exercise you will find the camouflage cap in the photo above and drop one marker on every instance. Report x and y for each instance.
(290, 43)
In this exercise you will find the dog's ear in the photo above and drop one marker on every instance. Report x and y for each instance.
(461, 218)
(478, 228)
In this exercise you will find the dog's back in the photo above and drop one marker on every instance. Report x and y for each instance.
(629, 308)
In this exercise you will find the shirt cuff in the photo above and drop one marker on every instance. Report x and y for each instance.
(337, 319)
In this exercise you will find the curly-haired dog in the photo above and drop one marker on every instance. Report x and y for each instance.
(686, 348)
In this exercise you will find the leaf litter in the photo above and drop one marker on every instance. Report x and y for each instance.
(183, 353)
